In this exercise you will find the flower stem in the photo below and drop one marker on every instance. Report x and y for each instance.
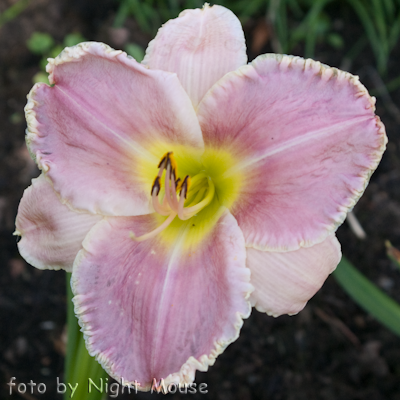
(79, 365)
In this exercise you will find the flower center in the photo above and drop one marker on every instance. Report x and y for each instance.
(182, 198)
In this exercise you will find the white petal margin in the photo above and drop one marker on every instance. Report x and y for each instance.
(98, 129)
(160, 310)
(284, 282)
(51, 234)
(201, 46)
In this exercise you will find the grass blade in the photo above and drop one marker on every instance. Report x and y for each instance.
(368, 295)
(394, 33)
(379, 48)
(13, 11)
(122, 13)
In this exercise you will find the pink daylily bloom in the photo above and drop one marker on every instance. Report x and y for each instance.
(184, 190)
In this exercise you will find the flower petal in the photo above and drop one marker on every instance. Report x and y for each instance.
(201, 46)
(284, 282)
(154, 311)
(305, 138)
(51, 234)
(92, 130)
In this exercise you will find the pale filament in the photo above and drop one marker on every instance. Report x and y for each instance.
(170, 192)
(155, 231)
(182, 201)
(161, 209)
(188, 212)
(171, 205)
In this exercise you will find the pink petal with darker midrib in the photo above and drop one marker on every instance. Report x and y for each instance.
(306, 139)
(152, 310)
(103, 115)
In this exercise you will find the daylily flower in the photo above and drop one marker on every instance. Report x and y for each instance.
(184, 190)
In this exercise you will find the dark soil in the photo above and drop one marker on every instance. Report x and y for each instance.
(332, 350)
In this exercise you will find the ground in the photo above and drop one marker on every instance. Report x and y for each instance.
(331, 350)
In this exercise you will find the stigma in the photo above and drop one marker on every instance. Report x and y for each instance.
(182, 198)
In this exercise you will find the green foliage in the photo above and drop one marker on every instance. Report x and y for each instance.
(43, 44)
(394, 84)
(72, 39)
(335, 40)
(13, 11)
(40, 43)
(393, 253)
(135, 51)
(313, 27)
(40, 77)
(368, 296)
(151, 14)
(79, 365)
(381, 22)
(304, 23)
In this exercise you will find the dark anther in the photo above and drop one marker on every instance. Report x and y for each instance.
(184, 186)
(161, 162)
(166, 157)
(156, 185)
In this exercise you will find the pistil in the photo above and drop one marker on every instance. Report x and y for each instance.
(159, 208)
(171, 195)
(189, 212)
(202, 191)
(155, 232)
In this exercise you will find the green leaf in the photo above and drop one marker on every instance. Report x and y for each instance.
(73, 39)
(393, 84)
(40, 77)
(122, 14)
(17, 118)
(393, 253)
(378, 44)
(368, 295)
(40, 43)
(135, 51)
(79, 365)
(13, 11)
(335, 40)
(55, 51)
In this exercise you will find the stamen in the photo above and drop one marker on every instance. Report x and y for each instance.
(186, 213)
(174, 165)
(163, 159)
(182, 197)
(155, 231)
(162, 209)
(155, 190)
(169, 158)
(190, 211)
(171, 196)
(196, 183)
(185, 186)
(178, 184)
(202, 191)
(156, 186)
(165, 202)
